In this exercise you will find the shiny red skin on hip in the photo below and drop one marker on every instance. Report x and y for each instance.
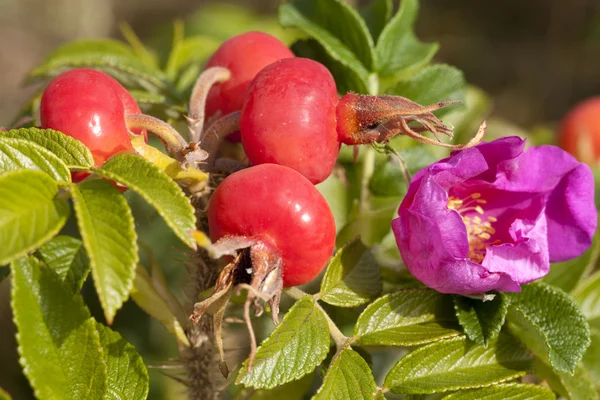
(244, 55)
(89, 106)
(289, 118)
(280, 207)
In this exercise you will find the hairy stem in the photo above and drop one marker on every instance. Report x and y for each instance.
(173, 141)
(216, 133)
(198, 100)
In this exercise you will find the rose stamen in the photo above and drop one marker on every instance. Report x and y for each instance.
(478, 230)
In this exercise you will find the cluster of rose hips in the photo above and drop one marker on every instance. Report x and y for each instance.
(292, 124)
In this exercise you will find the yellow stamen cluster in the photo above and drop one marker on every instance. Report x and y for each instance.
(479, 230)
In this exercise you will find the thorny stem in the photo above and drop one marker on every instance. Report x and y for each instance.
(216, 133)
(172, 140)
(340, 340)
(198, 99)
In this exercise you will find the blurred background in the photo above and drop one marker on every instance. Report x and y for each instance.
(535, 59)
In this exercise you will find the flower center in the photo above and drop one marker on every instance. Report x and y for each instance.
(479, 227)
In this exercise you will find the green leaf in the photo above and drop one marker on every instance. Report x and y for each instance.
(352, 277)
(110, 56)
(432, 84)
(107, 228)
(345, 37)
(160, 191)
(148, 299)
(591, 358)
(311, 18)
(566, 275)
(456, 364)
(336, 195)
(587, 295)
(376, 15)
(348, 377)
(4, 395)
(294, 390)
(58, 342)
(481, 320)
(549, 317)
(346, 79)
(127, 374)
(191, 50)
(398, 50)
(295, 348)
(66, 256)
(16, 154)
(505, 391)
(576, 386)
(407, 318)
(72, 152)
(30, 215)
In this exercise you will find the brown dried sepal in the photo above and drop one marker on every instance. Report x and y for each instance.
(363, 119)
(256, 268)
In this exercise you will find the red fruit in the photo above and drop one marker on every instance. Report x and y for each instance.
(89, 106)
(244, 55)
(579, 133)
(282, 209)
(288, 118)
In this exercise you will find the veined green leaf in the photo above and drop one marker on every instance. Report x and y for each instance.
(505, 391)
(398, 50)
(110, 56)
(548, 317)
(432, 84)
(352, 277)
(345, 34)
(407, 318)
(66, 256)
(58, 342)
(16, 154)
(481, 320)
(456, 364)
(107, 228)
(346, 79)
(30, 213)
(295, 348)
(376, 15)
(72, 152)
(127, 374)
(157, 189)
(309, 20)
(348, 377)
(294, 390)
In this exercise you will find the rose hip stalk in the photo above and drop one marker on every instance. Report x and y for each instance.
(283, 228)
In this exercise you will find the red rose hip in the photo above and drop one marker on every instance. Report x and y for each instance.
(579, 132)
(89, 106)
(244, 55)
(289, 118)
(282, 209)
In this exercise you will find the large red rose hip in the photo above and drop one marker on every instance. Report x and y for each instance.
(288, 118)
(89, 106)
(280, 208)
(244, 55)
